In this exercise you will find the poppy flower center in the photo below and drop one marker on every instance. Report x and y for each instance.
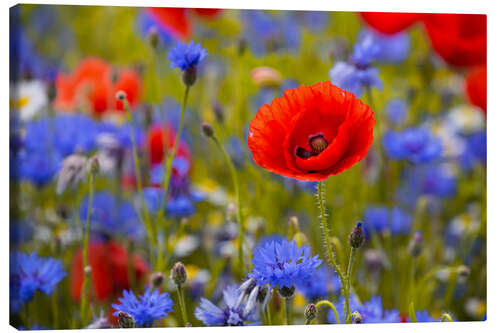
(317, 144)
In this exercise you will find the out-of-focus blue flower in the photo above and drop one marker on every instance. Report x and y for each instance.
(384, 48)
(112, 216)
(424, 317)
(474, 152)
(283, 263)
(186, 55)
(396, 111)
(320, 284)
(416, 144)
(231, 314)
(371, 311)
(354, 79)
(365, 50)
(181, 195)
(146, 23)
(20, 232)
(315, 20)
(435, 180)
(29, 273)
(37, 167)
(381, 218)
(146, 308)
(265, 32)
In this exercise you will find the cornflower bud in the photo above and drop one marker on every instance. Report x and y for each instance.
(125, 320)
(357, 236)
(178, 274)
(356, 317)
(157, 279)
(93, 165)
(415, 247)
(310, 313)
(207, 130)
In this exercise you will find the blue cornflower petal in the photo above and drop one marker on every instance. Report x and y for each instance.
(186, 55)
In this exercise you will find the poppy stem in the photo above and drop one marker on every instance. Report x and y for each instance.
(145, 214)
(329, 304)
(326, 239)
(239, 216)
(168, 172)
(86, 272)
(350, 266)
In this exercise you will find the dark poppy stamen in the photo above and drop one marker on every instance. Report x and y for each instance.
(318, 143)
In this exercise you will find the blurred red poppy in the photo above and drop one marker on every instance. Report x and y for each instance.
(460, 39)
(311, 132)
(177, 21)
(108, 262)
(475, 86)
(92, 84)
(390, 23)
(157, 137)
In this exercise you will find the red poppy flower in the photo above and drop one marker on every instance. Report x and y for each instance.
(177, 21)
(92, 84)
(475, 86)
(460, 39)
(311, 132)
(390, 23)
(108, 262)
(157, 137)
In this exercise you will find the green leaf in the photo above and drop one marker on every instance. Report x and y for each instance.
(413, 318)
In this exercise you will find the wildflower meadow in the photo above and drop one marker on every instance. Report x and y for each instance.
(176, 167)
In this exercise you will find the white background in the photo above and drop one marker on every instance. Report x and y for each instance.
(491, 8)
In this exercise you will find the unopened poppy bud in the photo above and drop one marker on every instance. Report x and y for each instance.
(121, 95)
(125, 320)
(93, 165)
(218, 111)
(287, 292)
(310, 312)
(157, 279)
(357, 236)
(178, 274)
(293, 224)
(266, 77)
(356, 317)
(415, 247)
(300, 238)
(207, 129)
(189, 76)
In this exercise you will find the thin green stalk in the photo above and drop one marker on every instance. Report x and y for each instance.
(145, 214)
(168, 171)
(330, 304)
(182, 304)
(55, 310)
(268, 314)
(241, 229)
(287, 313)
(350, 265)
(83, 297)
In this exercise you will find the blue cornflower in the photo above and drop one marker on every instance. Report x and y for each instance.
(416, 144)
(185, 56)
(29, 273)
(232, 314)
(424, 317)
(320, 284)
(38, 167)
(474, 152)
(385, 48)
(112, 216)
(381, 219)
(396, 111)
(282, 263)
(145, 309)
(354, 79)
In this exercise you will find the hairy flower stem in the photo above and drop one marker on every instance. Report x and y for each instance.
(167, 173)
(330, 304)
(239, 216)
(182, 304)
(83, 296)
(329, 251)
(446, 317)
(145, 214)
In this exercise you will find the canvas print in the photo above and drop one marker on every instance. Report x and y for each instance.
(183, 167)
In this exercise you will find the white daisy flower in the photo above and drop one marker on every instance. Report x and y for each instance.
(28, 98)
